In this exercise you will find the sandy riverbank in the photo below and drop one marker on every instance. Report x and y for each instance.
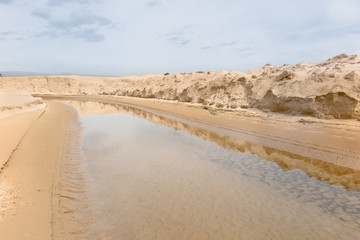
(32, 143)
(333, 141)
(34, 191)
(323, 171)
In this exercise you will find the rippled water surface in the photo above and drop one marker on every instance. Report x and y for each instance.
(150, 181)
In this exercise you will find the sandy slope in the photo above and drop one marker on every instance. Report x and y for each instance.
(24, 110)
(12, 130)
(330, 89)
(26, 182)
(11, 103)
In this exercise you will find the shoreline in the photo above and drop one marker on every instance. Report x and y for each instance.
(332, 141)
(321, 170)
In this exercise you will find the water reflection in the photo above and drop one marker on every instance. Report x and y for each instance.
(151, 182)
(324, 171)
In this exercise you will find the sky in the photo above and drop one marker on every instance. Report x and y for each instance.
(139, 37)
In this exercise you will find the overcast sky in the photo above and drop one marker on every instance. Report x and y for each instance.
(136, 37)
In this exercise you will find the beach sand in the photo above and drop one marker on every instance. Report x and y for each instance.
(31, 145)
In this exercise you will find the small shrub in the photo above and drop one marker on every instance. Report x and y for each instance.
(352, 57)
(199, 72)
(340, 56)
(343, 55)
(213, 112)
(267, 65)
(167, 73)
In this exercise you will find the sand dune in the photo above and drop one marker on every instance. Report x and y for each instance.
(34, 139)
(330, 89)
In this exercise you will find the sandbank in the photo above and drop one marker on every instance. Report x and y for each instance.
(32, 143)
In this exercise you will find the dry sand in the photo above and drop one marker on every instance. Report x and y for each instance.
(330, 89)
(33, 142)
(11, 103)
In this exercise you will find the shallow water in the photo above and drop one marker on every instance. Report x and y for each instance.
(148, 181)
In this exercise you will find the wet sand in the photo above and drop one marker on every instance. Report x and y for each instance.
(34, 143)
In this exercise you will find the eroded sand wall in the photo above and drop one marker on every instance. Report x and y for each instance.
(330, 89)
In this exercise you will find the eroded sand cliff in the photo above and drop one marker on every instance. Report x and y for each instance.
(330, 89)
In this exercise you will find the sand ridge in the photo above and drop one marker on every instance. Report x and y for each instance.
(11, 104)
(27, 181)
(330, 89)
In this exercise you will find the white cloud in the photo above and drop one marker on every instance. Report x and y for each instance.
(77, 25)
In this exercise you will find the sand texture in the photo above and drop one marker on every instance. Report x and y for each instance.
(37, 140)
(11, 103)
(17, 113)
(330, 89)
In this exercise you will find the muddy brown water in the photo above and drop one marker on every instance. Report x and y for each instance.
(153, 178)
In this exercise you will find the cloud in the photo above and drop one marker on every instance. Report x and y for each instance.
(220, 45)
(179, 41)
(90, 35)
(10, 35)
(153, 3)
(47, 34)
(76, 21)
(83, 26)
(6, 1)
(62, 2)
(42, 14)
(180, 38)
(244, 49)
(7, 33)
